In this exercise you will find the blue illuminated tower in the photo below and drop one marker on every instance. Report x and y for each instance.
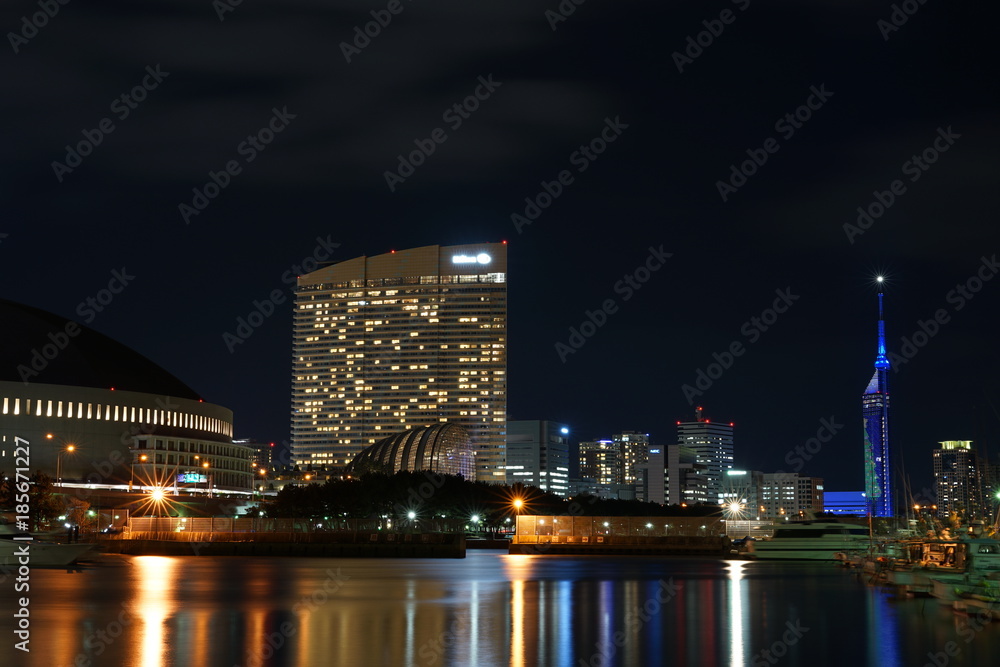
(875, 409)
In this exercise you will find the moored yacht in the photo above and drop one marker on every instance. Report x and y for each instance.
(811, 540)
(39, 553)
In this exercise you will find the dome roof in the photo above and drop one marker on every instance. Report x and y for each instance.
(30, 353)
(443, 448)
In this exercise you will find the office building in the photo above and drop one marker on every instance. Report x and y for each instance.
(399, 341)
(850, 503)
(786, 495)
(538, 455)
(655, 476)
(687, 477)
(875, 413)
(712, 442)
(741, 493)
(261, 453)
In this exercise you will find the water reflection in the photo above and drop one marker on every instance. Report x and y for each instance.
(883, 641)
(153, 604)
(486, 610)
(737, 623)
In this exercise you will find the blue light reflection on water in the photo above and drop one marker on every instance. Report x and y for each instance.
(489, 609)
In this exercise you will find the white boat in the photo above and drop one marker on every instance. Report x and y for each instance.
(41, 553)
(811, 540)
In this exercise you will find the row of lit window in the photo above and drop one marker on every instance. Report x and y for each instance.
(123, 413)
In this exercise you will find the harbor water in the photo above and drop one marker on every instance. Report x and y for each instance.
(487, 609)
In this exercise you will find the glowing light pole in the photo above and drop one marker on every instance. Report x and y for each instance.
(68, 450)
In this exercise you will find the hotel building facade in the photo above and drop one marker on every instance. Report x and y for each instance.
(398, 341)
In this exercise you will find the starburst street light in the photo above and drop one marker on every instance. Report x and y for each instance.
(734, 509)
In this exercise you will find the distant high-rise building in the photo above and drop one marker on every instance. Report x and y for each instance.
(687, 476)
(875, 411)
(261, 454)
(990, 474)
(634, 447)
(654, 488)
(957, 479)
(712, 442)
(601, 461)
(398, 341)
(538, 455)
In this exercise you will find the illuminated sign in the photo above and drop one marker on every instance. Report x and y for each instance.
(654, 451)
(481, 258)
(191, 478)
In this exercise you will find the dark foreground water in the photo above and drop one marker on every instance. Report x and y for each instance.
(489, 609)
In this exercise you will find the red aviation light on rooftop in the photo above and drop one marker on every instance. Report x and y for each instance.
(731, 424)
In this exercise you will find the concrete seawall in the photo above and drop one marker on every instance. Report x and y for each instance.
(334, 546)
(623, 546)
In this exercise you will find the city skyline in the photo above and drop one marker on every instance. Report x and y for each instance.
(679, 233)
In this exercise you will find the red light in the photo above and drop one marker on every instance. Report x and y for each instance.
(393, 252)
(201, 400)
(678, 423)
(706, 421)
(505, 242)
(731, 423)
(272, 444)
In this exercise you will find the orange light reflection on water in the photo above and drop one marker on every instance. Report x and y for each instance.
(154, 604)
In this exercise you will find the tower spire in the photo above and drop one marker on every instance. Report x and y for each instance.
(881, 360)
(875, 412)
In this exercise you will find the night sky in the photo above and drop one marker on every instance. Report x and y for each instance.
(880, 94)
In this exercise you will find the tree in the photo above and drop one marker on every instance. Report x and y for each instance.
(43, 505)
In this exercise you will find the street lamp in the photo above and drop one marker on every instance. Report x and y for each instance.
(208, 479)
(263, 479)
(142, 459)
(68, 450)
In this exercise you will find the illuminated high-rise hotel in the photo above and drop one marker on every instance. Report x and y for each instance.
(875, 411)
(398, 341)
